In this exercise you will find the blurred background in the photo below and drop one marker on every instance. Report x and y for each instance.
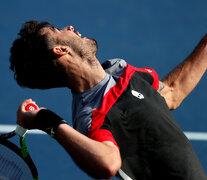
(159, 34)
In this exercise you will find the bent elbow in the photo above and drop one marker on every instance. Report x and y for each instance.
(108, 171)
(113, 170)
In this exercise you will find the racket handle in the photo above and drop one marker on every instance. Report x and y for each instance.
(20, 130)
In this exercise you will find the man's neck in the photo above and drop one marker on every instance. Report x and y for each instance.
(87, 75)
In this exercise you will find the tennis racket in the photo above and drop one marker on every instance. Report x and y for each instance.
(15, 161)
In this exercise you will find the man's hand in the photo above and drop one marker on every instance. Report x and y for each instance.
(26, 118)
(42, 119)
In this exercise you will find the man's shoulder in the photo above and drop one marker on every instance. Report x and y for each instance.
(114, 66)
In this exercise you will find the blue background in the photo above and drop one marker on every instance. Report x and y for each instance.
(159, 34)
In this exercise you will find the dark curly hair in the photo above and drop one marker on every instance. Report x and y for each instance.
(32, 59)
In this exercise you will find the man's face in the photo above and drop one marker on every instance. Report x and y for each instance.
(72, 38)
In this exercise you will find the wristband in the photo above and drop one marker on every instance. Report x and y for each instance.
(48, 121)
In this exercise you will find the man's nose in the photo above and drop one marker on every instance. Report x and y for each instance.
(69, 28)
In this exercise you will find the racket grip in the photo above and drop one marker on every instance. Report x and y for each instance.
(20, 131)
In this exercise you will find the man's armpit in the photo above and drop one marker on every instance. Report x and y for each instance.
(161, 86)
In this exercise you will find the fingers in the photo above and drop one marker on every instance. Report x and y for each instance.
(26, 118)
(24, 104)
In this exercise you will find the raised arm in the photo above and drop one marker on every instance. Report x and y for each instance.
(98, 159)
(183, 79)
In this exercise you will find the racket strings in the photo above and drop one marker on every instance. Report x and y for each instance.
(12, 166)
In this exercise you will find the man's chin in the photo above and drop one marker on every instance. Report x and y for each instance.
(93, 44)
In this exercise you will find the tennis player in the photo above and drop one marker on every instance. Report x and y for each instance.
(121, 114)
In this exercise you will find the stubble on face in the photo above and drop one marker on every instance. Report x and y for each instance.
(84, 48)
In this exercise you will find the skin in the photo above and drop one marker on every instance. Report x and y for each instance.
(178, 84)
(84, 66)
(78, 60)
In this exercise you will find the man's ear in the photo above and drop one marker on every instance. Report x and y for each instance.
(60, 51)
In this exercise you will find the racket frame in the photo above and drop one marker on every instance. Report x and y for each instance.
(21, 151)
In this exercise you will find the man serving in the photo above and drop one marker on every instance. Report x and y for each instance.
(121, 114)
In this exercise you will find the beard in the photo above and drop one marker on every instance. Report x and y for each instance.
(93, 45)
(89, 47)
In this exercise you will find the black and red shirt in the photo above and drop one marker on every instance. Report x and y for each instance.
(126, 108)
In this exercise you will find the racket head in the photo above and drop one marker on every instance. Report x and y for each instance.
(15, 162)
